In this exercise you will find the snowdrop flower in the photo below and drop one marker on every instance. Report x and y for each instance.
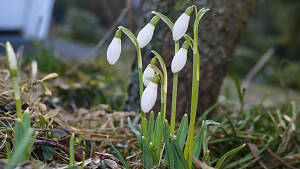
(150, 95)
(34, 69)
(181, 24)
(114, 49)
(149, 72)
(11, 59)
(180, 58)
(146, 34)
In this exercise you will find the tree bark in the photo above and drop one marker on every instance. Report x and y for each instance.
(219, 33)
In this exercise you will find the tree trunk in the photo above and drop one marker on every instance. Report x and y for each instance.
(219, 33)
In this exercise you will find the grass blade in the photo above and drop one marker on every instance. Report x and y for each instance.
(71, 151)
(229, 153)
(182, 131)
(118, 154)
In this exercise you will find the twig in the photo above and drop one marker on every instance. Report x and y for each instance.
(274, 155)
(262, 61)
(59, 144)
(200, 164)
(255, 153)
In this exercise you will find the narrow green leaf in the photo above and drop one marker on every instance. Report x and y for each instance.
(179, 152)
(18, 154)
(200, 14)
(7, 149)
(133, 129)
(83, 160)
(168, 146)
(147, 157)
(71, 151)
(182, 131)
(165, 19)
(229, 153)
(118, 154)
(150, 127)
(199, 139)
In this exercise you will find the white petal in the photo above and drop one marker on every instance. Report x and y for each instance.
(11, 57)
(149, 97)
(180, 26)
(145, 35)
(179, 60)
(114, 51)
(148, 75)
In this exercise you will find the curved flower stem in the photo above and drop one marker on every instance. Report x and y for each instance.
(157, 70)
(188, 152)
(165, 81)
(140, 70)
(174, 95)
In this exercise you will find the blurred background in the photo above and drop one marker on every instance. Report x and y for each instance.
(71, 36)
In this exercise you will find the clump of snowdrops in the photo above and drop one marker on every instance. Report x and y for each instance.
(159, 143)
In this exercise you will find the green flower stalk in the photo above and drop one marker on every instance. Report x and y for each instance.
(178, 63)
(188, 152)
(165, 82)
(13, 70)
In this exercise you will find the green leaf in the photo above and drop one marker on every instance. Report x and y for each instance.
(135, 131)
(147, 157)
(118, 154)
(71, 151)
(58, 133)
(165, 19)
(200, 14)
(182, 131)
(18, 154)
(48, 152)
(180, 155)
(199, 139)
(170, 161)
(150, 127)
(229, 153)
(42, 121)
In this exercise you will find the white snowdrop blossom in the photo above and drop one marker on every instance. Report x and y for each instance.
(180, 26)
(34, 69)
(11, 58)
(114, 51)
(148, 75)
(179, 60)
(145, 35)
(149, 97)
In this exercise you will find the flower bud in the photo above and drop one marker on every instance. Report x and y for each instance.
(146, 34)
(149, 95)
(181, 24)
(11, 59)
(148, 75)
(179, 60)
(34, 69)
(114, 49)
